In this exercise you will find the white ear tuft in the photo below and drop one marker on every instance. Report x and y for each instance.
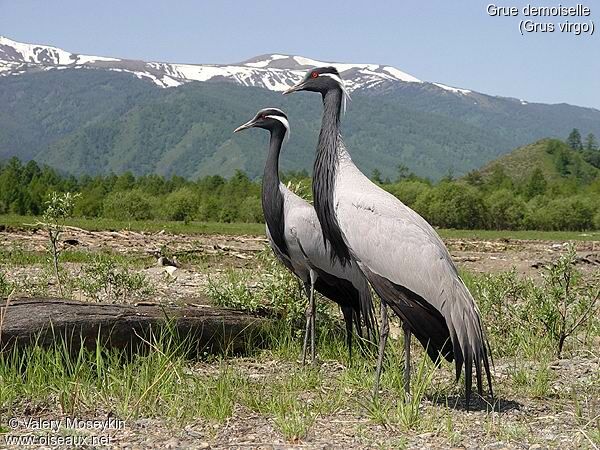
(339, 81)
(285, 123)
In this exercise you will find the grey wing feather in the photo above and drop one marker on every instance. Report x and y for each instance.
(284, 259)
(305, 228)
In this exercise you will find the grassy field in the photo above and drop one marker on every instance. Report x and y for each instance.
(150, 226)
(521, 234)
(166, 397)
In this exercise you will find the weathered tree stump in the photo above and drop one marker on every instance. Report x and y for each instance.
(46, 320)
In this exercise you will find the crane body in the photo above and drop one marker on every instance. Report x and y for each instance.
(401, 255)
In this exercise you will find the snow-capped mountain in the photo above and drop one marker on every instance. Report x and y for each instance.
(91, 119)
(274, 72)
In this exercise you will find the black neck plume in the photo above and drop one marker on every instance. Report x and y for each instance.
(272, 199)
(326, 166)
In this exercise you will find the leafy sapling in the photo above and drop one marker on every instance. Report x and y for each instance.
(59, 207)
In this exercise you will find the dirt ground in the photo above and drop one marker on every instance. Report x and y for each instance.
(218, 252)
(549, 422)
(473, 254)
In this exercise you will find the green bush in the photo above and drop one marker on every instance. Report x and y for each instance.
(506, 211)
(503, 299)
(453, 205)
(574, 214)
(523, 317)
(128, 205)
(565, 303)
(408, 190)
(250, 211)
(181, 205)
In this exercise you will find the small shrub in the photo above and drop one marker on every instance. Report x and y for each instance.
(234, 290)
(521, 316)
(503, 300)
(277, 293)
(564, 304)
(6, 286)
(107, 280)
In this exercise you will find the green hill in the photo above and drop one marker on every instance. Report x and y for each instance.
(96, 122)
(554, 158)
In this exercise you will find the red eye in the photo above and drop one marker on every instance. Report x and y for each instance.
(314, 75)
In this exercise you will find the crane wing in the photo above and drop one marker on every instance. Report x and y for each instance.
(409, 266)
(347, 281)
(281, 256)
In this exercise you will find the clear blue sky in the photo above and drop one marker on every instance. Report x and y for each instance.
(453, 42)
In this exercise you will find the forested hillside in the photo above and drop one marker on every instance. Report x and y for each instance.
(97, 122)
(553, 159)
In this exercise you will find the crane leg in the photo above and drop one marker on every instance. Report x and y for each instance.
(308, 322)
(348, 315)
(313, 314)
(313, 325)
(407, 337)
(383, 334)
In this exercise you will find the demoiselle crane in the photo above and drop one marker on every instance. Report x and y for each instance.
(401, 255)
(295, 236)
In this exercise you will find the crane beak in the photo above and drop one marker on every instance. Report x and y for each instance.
(247, 125)
(294, 88)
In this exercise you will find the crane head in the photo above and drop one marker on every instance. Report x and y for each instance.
(322, 80)
(319, 79)
(269, 119)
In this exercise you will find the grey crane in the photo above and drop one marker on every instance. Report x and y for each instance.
(295, 236)
(401, 255)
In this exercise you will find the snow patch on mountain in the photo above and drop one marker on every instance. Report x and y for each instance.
(275, 72)
(83, 59)
(265, 62)
(43, 54)
(401, 75)
(452, 89)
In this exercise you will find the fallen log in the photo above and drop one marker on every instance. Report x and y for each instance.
(45, 321)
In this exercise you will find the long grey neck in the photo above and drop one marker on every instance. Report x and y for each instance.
(272, 198)
(330, 125)
(325, 169)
